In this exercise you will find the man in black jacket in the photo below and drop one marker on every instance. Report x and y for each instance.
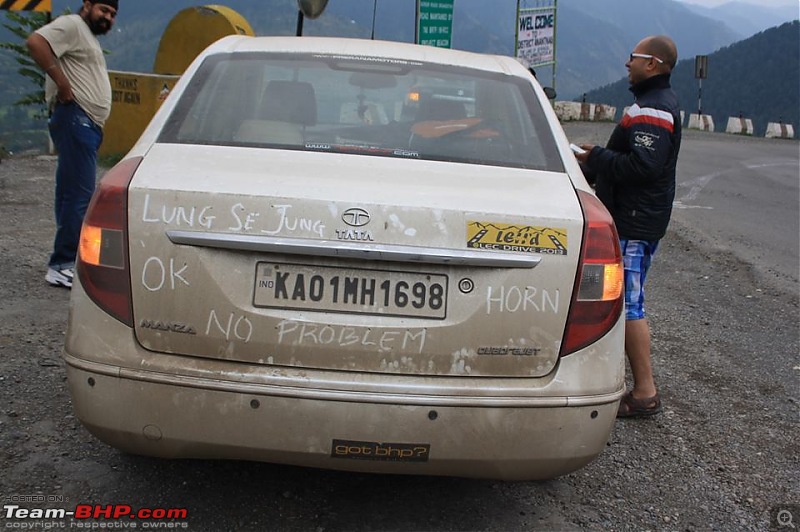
(634, 177)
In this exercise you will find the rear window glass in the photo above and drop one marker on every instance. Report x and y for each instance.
(364, 106)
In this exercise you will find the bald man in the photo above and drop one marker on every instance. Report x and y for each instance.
(634, 177)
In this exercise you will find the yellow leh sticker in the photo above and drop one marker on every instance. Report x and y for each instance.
(522, 238)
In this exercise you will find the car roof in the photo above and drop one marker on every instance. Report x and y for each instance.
(368, 48)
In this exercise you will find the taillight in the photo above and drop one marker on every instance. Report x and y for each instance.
(103, 267)
(599, 295)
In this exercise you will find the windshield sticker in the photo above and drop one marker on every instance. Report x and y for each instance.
(520, 238)
(367, 59)
(362, 149)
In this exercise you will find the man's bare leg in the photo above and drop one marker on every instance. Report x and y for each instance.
(637, 347)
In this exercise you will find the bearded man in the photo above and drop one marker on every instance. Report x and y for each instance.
(78, 93)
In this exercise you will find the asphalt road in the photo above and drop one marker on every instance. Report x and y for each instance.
(723, 305)
(740, 193)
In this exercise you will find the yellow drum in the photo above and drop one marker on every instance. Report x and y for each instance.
(191, 31)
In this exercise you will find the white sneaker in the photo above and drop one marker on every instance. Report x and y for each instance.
(60, 277)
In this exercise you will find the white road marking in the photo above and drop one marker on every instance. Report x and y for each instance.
(699, 183)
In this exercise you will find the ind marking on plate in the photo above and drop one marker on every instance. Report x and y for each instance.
(351, 290)
(516, 237)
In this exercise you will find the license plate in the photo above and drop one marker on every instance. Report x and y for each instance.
(351, 290)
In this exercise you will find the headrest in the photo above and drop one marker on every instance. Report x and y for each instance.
(436, 109)
(289, 101)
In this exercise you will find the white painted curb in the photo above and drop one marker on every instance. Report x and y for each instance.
(587, 112)
(701, 122)
(779, 131)
(604, 113)
(739, 126)
(568, 111)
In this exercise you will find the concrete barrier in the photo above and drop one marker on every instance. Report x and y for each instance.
(135, 99)
(604, 113)
(701, 122)
(776, 130)
(568, 111)
(586, 112)
(739, 126)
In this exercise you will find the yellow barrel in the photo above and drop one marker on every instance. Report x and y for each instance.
(136, 96)
(191, 31)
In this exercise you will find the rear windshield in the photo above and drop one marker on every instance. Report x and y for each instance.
(364, 106)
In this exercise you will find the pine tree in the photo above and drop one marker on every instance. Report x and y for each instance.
(22, 24)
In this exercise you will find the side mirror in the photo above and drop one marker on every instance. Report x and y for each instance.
(312, 8)
(550, 92)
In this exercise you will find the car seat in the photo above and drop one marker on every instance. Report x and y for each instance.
(287, 107)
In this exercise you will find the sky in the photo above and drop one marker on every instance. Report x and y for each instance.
(713, 3)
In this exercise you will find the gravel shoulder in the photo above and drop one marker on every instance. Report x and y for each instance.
(723, 455)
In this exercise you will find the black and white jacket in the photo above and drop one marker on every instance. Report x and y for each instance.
(634, 175)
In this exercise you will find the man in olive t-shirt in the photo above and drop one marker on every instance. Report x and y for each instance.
(78, 92)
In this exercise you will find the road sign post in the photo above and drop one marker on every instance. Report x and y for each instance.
(535, 42)
(434, 23)
(701, 73)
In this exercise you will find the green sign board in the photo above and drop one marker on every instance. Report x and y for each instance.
(435, 22)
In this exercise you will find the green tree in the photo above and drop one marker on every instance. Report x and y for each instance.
(22, 24)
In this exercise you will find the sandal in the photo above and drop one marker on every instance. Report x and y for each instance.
(629, 406)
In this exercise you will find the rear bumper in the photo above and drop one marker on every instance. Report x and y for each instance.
(202, 418)
(174, 406)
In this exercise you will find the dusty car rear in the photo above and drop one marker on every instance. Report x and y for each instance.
(352, 255)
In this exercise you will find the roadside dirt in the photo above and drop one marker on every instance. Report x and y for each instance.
(723, 455)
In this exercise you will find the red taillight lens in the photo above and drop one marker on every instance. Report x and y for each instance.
(103, 267)
(599, 295)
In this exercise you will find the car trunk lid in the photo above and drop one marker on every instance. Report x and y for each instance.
(320, 261)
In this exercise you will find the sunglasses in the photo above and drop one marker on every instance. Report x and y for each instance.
(645, 56)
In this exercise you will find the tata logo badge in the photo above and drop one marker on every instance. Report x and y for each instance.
(355, 217)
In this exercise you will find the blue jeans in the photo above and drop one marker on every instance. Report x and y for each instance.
(77, 139)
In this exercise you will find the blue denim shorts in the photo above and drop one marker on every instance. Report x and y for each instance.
(636, 258)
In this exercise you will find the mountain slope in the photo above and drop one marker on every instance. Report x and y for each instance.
(594, 38)
(590, 37)
(747, 77)
(747, 18)
(588, 58)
